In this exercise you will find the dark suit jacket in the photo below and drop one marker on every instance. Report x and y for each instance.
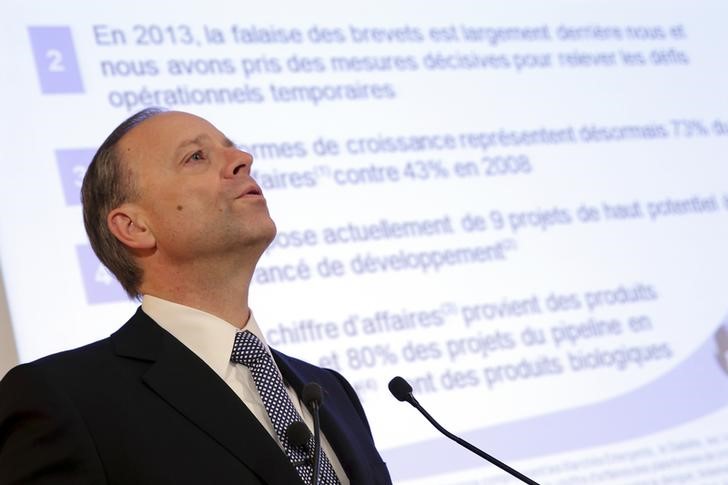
(141, 408)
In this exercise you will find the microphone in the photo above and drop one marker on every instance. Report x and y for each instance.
(312, 396)
(401, 390)
(298, 435)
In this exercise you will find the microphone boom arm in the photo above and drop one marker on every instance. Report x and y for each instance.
(317, 443)
(470, 447)
(402, 391)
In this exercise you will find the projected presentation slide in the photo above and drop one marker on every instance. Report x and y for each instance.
(521, 207)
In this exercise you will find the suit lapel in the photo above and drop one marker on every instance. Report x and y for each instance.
(346, 446)
(188, 385)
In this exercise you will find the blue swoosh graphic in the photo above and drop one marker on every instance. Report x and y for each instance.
(695, 388)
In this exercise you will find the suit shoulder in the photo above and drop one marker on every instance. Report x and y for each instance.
(306, 369)
(43, 437)
(78, 357)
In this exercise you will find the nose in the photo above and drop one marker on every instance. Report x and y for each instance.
(238, 163)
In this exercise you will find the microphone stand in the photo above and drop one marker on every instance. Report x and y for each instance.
(402, 391)
(470, 447)
(317, 443)
(312, 395)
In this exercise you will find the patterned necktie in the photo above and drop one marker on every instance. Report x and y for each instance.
(250, 352)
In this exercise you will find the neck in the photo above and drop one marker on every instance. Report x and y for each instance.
(221, 290)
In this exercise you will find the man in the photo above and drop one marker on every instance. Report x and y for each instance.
(171, 209)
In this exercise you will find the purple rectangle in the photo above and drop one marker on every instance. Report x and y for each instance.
(99, 283)
(55, 60)
(72, 165)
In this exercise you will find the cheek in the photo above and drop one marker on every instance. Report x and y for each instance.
(186, 200)
(176, 208)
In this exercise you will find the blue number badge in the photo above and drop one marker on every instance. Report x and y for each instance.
(99, 283)
(72, 165)
(55, 60)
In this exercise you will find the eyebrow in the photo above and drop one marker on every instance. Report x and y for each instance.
(199, 139)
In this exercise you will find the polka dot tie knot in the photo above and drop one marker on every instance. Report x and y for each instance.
(250, 352)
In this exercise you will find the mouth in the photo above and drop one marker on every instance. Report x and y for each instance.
(251, 191)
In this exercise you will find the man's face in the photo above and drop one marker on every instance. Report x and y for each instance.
(194, 188)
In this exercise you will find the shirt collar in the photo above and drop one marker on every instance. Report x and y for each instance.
(209, 337)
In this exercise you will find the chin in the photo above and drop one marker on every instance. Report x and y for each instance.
(271, 234)
(265, 232)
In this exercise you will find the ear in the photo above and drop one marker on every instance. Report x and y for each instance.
(129, 227)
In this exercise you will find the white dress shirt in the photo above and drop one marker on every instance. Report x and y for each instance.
(211, 339)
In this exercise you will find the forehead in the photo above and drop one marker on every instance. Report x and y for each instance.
(162, 135)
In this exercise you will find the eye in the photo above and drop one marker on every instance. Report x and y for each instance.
(199, 155)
